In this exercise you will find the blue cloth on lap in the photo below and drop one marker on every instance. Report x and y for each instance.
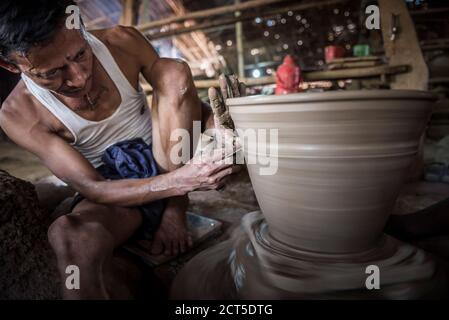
(133, 159)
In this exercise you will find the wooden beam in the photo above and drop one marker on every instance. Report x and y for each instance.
(206, 84)
(354, 73)
(435, 47)
(428, 11)
(404, 47)
(439, 80)
(356, 64)
(355, 59)
(434, 41)
(209, 13)
(243, 17)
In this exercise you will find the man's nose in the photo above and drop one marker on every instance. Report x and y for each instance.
(75, 76)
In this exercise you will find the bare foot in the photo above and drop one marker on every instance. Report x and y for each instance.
(172, 237)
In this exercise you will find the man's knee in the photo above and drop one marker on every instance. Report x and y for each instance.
(175, 80)
(72, 239)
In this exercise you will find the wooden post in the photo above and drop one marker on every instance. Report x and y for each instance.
(239, 45)
(128, 17)
(404, 49)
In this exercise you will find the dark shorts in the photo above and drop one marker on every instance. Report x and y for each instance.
(132, 159)
(151, 217)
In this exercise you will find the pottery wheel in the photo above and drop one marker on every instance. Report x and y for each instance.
(253, 265)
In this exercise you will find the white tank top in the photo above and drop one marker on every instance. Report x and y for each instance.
(92, 138)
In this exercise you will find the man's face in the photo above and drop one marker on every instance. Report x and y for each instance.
(63, 65)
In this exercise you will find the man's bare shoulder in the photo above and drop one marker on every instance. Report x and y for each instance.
(18, 104)
(127, 40)
(19, 111)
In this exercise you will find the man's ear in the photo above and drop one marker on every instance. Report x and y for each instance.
(9, 66)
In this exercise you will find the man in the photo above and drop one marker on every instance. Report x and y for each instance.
(79, 95)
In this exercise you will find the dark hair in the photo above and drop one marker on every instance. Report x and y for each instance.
(24, 24)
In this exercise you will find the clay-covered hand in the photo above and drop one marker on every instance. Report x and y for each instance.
(205, 171)
(230, 87)
(224, 135)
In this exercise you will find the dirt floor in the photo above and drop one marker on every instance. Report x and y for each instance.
(229, 205)
(21, 163)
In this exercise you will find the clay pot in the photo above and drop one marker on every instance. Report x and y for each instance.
(333, 52)
(342, 158)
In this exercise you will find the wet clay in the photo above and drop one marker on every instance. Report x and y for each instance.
(342, 158)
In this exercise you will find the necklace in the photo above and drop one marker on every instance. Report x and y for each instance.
(92, 103)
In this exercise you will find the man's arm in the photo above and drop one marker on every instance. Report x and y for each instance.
(150, 64)
(25, 129)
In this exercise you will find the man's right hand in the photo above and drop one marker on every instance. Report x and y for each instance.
(204, 172)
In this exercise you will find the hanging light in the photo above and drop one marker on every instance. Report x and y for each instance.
(256, 73)
(255, 51)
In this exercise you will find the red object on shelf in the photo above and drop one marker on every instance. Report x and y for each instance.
(333, 52)
(288, 77)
